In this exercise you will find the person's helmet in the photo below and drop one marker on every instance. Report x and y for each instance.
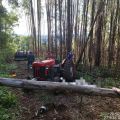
(69, 56)
(30, 52)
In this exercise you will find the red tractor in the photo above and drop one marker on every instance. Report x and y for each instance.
(49, 70)
(46, 70)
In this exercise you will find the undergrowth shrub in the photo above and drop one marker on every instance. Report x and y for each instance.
(6, 55)
(6, 58)
(7, 99)
(8, 102)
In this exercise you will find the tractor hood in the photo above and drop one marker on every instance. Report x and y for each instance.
(49, 62)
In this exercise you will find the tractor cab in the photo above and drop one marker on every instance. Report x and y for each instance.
(45, 70)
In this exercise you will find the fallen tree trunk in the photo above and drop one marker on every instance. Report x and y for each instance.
(53, 86)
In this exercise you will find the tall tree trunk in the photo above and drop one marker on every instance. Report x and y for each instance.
(100, 9)
(39, 25)
(91, 37)
(56, 28)
(33, 26)
(99, 27)
(60, 27)
(76, 30)
(69, 31)
(48, 23)
(118, 36)
(112, 36)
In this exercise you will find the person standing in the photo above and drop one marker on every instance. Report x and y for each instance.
(69, 69)
(31, 59)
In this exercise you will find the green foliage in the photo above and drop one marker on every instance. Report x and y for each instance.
(4, 75)
(19, 43)
(7, 99)
(23, 42)
(7, 21)
(4, 114)
(111, 82)
(26, 6)
(101, 76)
(8, 102)
(6, 55)
(6, 65)
(88, 78)
(5, 69)
(14, 3)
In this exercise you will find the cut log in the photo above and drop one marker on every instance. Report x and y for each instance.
(53, 86)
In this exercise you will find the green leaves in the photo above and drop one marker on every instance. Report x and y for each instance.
(4, 114)
(7, 22)
(8, 101)
(14, 3)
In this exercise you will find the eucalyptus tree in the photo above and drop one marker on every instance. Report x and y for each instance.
(113, 26)
(39, 25)
(88, 27)
(32, 10)
(69, 26)
(56, 2)
(90, 52)
(118, 38)
(60, 27)
(98, 33)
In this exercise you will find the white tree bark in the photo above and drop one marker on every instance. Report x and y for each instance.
(53, 86)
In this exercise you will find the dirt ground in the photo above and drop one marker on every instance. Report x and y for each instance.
(63, 106)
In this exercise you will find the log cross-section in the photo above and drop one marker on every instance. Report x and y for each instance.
(53, 86)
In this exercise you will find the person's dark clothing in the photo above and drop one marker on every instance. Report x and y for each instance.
(30, 59)
(68, 70)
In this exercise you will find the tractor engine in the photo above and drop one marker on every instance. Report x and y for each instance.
(46, 70)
